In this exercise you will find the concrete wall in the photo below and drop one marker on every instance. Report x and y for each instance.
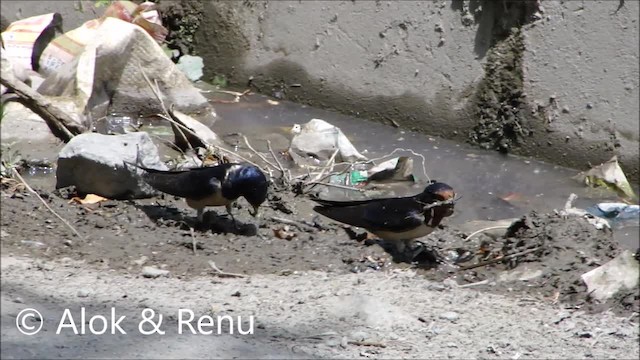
(74, 13)
(433, 66)
(563, 88)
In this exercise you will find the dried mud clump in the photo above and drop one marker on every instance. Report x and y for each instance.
(567, 248)
(500, 103)
(182, 19)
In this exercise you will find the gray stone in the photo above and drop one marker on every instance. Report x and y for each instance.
(94, 164)
(83, 293)
(449, 315)
(359, 336)
(333, 342)
(153, 272)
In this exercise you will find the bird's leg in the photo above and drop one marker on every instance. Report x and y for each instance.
(229, 208)
(400, 246)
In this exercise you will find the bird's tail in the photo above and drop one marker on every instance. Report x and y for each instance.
(161, 180)
(169, 182)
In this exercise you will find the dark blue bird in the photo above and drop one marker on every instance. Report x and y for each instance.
(219, 185)
(395, 219)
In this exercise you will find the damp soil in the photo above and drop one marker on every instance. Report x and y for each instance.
(289, 237)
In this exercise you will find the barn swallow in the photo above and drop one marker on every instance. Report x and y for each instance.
(219, 185)
(395, 219)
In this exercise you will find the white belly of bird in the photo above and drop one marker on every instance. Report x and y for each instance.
(212, 200)
(420, 231)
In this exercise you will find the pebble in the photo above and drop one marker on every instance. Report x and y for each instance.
(3, 233)
(437, 287)
(100, 223)
(153, 272)
(18, 300)
(368, 353)
(467, 20)
(359, 336)
(32, 243)
(344, 342)
(333, 342)
(141, 261)
(68, 243)
(450, 283)
(83, 293)
(449, 315)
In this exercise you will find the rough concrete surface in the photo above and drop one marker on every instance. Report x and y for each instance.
(422, 64)
(74, 13)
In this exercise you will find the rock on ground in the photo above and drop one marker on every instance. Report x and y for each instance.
(94, 164)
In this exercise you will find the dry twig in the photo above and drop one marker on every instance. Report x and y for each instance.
(246, 141)
(497, 260)
(182, 141)
(45, 203)
(336, 186)
(240, 157)
(282, 170)
(58, 121)
(193, 240)
(366, 343)
(486, 229)
(224, 274)
(295, 223)
(330, 164)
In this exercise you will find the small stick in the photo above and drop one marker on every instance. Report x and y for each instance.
(330, 174)
(234, 93)
(224, 274)
(330, 163)
(284, 173)
(240, 157)
(246, 141)
(155, 88)
(486, 229)
(474, 284)
(496, 260)
(59, 122)
(438, 203)
(336, 186)
(366, 343)
(293, 223)
(193, 240)
(45, 204)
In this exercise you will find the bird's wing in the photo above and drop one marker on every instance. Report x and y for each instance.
(346, 203)
(397, 215)
(194, 183)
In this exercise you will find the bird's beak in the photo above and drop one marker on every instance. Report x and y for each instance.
(255, 211)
